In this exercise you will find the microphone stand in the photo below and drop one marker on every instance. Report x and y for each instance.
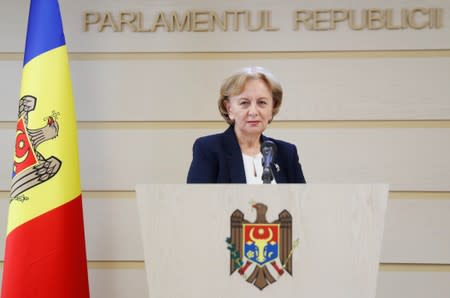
(268, 150)
(267, 175)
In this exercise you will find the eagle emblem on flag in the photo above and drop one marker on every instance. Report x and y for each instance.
(31, 168)
(261, 252)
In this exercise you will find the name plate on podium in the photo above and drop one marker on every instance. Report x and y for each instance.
(238, 241)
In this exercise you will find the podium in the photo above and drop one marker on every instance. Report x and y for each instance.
(238, 241)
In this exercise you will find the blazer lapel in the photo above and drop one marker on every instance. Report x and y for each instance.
(278, 173)
(234, 156)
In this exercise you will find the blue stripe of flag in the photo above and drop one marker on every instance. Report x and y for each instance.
(45, 30)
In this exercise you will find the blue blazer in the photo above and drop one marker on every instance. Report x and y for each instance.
(218, 159)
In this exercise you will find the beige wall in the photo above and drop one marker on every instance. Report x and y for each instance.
(362, 107)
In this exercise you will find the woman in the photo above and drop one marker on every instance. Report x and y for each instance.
(249, 99)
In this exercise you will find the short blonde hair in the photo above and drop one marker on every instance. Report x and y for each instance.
(235, 85)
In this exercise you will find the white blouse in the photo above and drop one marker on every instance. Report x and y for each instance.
(253, 169)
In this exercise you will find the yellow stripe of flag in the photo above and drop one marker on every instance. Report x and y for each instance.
(47, 78)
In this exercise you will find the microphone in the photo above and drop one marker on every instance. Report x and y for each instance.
(268, 150)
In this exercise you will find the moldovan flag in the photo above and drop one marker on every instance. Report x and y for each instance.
(45, 253)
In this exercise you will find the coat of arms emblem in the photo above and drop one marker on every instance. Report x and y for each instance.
(31, 168)
(261, 252)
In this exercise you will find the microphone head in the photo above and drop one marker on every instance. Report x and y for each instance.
(268, 150)
(268, 147)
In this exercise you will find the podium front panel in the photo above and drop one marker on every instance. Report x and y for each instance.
(333, 249)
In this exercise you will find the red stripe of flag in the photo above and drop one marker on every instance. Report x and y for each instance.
(44, 256)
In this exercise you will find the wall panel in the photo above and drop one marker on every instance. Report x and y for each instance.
(120, 283)
(186, 87)
(112, 228)
(413, 284)
(416, 230)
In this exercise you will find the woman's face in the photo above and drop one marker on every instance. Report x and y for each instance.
(252, 110)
